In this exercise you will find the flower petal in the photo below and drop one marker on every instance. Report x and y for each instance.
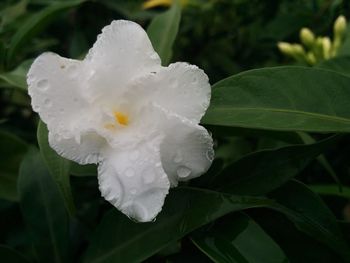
(121, 53)
(54, 84)
(180, 88)
(186, 150)
(85, 151)
(54, 87)
(134, 181)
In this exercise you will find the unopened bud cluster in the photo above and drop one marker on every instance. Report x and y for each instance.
(316, 48)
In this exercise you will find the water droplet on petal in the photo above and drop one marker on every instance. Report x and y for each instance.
(210, 155)
(129, 172)
(47, 103)
(43, 84)
(178, 157)
(36, 108)
(133, 191)
(134, 155)
(149, 175)
(183, 171)
(72, 71)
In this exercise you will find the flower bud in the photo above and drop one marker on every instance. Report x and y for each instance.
(298, 49)
(310, 58)
(307, 37)
(326, 47)
(340, 27)
(285, 48)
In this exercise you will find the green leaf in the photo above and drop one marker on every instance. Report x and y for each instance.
(321, 159)
(10, 255)
(12, 12)
(310, 215)
(83, 170)
(36, 23)
(282, 98)
(260, 172)
(230, 241)
(58, 167)
(118, 239)
(337, 64)
(43, 210)
(162, 32)
(17, 77)
(331, 189)
(12, 151)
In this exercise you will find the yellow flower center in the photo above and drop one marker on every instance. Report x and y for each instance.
(120, 118)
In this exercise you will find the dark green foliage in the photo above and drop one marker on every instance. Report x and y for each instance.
(279, 186)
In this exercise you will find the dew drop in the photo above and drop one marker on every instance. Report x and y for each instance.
(183, 171)
(149, 175)
(178, 157)
(210, 155)
(43, 84)
(72, 71)
(36, 108)
(129, 172)
(133, 191)
(134, 155)
(47, 103)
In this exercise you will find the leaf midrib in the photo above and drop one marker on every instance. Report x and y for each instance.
(334, 118)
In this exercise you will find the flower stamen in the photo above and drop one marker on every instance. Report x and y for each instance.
(121, 118)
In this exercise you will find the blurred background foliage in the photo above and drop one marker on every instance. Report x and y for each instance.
(223, 37)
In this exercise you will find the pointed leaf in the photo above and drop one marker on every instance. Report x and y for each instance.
(37, 22)
(12, 151)
(58, 167)
(43, 210)
(10, 255)
(118, 239)
(17, 77)
(238, 238)
(162, 32)
(310, 215)
(260, 172)
(282, 98)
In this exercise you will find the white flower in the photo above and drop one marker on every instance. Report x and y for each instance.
(121, 109)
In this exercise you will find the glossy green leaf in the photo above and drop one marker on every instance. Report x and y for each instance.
(331, 189)
(17, 77)
(10, 255)
(58, 167)
(282, 98)
(83, 170)
(297, 245)
(260, 172)
(321, 159)
(11, 13)
(337, 64)
(36, 23)
(163, 30)
(310, 215)
(12, 151)
(118, 239)
(238, 238)
(43, 210)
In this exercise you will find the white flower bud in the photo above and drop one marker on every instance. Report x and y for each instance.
(340, 27)
(307, 37)
(285, 48)
(326, 47)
